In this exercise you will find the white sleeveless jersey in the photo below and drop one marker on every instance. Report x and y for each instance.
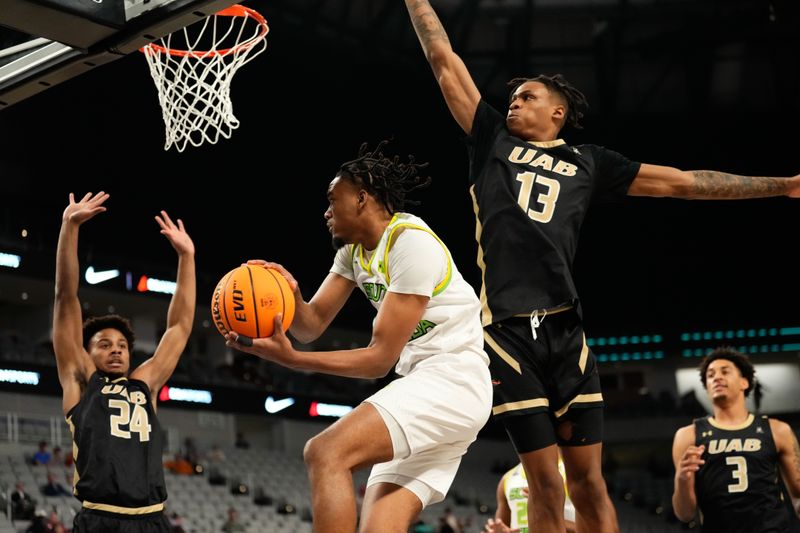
(411, 259)
(513, 484)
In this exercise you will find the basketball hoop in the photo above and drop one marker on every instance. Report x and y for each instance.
(193, 69)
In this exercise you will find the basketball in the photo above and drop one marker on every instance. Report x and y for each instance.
(247, 299)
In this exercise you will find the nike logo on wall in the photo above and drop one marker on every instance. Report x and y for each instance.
(94, 277)
(273, 406)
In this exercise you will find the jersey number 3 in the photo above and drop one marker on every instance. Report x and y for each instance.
(136, 421)
(547, 199)
(739, 473)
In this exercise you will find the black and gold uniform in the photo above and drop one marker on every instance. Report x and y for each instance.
(117, 444)
(530, 199)
(739, 488)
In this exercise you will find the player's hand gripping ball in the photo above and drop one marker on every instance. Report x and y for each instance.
(247, 299)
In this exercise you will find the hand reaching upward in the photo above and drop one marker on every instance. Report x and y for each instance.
(81, 211)
(176, 234)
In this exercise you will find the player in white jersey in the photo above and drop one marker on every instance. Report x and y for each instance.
(512, 504)
(415, 430)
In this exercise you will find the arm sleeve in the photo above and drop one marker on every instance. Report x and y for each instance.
(417, 263)
(343, 262)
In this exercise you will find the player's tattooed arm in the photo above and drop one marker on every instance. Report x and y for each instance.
(662, 181)
(796, 448)
(426, 23)
(458, 88)
(788, 455)
(714, 184)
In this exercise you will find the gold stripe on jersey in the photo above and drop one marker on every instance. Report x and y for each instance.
(124, 510)
(486, 313)
(580, 398)
(743, 425)
(524, 404)
(75, 476)
(395, 232)
(505, 356)
(584, 355)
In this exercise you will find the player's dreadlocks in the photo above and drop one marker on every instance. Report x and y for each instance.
(576, 101)
(386, 179)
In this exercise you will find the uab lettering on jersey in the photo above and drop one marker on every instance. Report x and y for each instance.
(374, 291)
(423, 327)
(545, 201)
(733, 445)
(125, 420)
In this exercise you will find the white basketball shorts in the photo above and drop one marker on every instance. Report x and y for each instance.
(440, 406)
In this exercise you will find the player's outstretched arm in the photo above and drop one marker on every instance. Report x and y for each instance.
(459, 89)
(397, 318)
(788, 455)
(180, 316)
(74, 364)
(657, 180)
(687, 459)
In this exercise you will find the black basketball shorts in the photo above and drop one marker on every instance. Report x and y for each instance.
(554, 375)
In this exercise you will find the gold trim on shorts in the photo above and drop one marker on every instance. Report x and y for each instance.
(547, 312)
(580, 398)
(504, 355)
(124, 510)
(524, 404)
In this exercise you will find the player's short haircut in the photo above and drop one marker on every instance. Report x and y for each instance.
(740, 360)
(388, 180)
(97, 323)
(575, 100)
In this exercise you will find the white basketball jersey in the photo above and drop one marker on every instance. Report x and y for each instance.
(513, 485)
(411, 259)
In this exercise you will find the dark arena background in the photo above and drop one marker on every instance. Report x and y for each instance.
(695, 84)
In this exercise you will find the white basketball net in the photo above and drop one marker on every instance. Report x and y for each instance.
(194, 87)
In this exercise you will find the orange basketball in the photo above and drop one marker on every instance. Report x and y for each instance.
(247, 299)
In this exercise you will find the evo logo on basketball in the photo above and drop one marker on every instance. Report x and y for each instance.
(238, 304)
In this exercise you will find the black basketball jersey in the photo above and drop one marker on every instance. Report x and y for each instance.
(118, 445)
(739, 488)
(530, 200)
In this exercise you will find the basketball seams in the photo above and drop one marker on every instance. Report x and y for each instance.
(255, 303)
(248, 295)
(225, 299)
(280, 288)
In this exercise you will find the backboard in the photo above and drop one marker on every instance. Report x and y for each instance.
(46, 42)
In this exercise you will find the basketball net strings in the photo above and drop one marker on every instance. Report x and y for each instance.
(194, 91)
